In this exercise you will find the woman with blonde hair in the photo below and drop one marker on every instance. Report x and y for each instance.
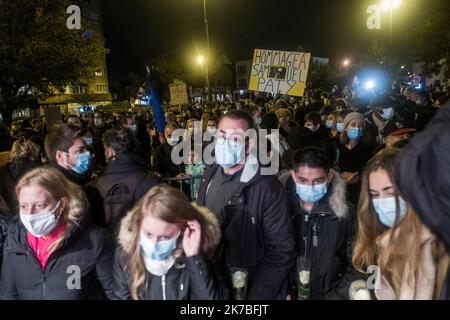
(166, 246)
(52, 250)
(411, 261)
(193, 130)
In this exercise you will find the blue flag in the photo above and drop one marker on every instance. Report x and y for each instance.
(157, 108)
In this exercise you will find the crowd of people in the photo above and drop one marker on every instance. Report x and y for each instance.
(97, 208)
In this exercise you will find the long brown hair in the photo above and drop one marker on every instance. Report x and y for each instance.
(403, 251)
(59, 187)
(172, 206)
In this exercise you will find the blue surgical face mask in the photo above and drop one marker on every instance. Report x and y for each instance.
(133, 128)
(355, 133)
(89, 141)
(228, 153)
(329, 124)
(83, 163)
(340, 127)
(160, 250)
(311, 194)
(388, 113)
(386, 209)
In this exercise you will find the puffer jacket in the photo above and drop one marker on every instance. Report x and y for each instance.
(324, 238)
(193, 278)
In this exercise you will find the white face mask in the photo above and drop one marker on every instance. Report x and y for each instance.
(40, 224)
(172, 142)
(212, 129)
(156, 267)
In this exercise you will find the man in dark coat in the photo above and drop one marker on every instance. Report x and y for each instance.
(124, 167)
(258, 235)
(323, 220)
(67, 151)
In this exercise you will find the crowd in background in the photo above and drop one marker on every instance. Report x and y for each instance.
(101, 191)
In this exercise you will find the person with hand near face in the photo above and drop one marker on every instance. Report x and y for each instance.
(166, 251)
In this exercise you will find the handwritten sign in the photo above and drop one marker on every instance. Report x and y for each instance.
(283, 72)
(178, 93)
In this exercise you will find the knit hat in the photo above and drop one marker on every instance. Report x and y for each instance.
(354, 116)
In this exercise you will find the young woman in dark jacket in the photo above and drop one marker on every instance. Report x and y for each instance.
(52, 252)
(165, 251)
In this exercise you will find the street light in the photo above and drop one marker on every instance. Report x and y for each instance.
(200, 60)
(205, 13)
(203, 62)
(391, 5)
(346, 63)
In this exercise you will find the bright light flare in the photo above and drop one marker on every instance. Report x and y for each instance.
(391, 4)
(200, 60)
(369, 84)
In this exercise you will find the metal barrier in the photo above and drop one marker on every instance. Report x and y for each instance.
(188, 180)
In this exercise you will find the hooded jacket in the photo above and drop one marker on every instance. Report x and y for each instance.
(79, 269)
(324, 237)
(423, 176)
(193, 278)
(258, 235)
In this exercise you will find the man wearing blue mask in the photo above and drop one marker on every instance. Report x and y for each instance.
(67, 151)
(258, 235)
(66, 148)
(323, 221)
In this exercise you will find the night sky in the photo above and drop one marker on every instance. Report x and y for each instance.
(137, 30)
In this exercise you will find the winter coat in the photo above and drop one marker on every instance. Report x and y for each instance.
(258, 234)
(193, 278)
(120, 169)
(87, 251)
(123, 165)
(423, 175)
(324, 237)
(423, 286)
